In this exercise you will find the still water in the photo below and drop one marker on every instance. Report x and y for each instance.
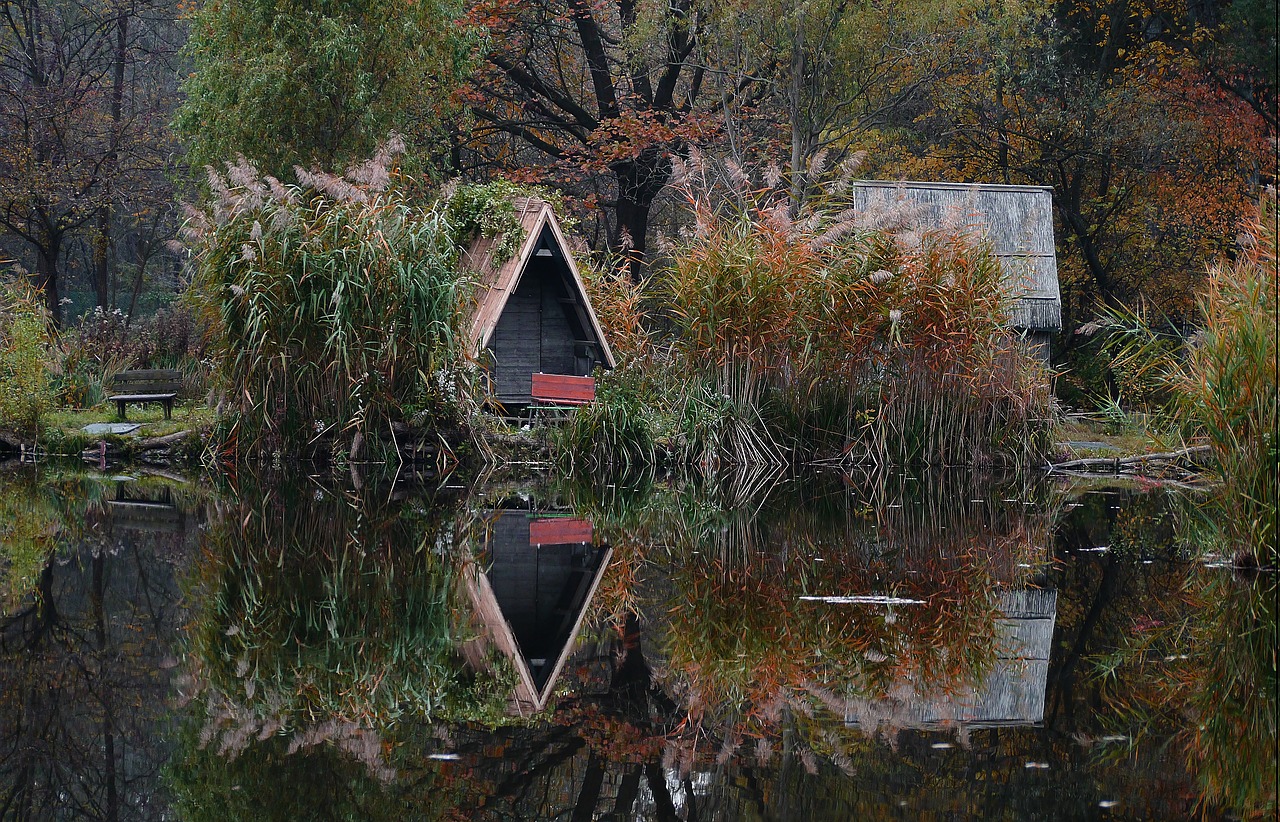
(824, 647)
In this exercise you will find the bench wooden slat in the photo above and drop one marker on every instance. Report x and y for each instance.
(559, 531)
(563, 388)
(170, 374)
(143, 397)
(146, 385)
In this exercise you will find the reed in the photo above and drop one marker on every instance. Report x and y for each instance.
(1221, 385)
(26, 344)
(323, 609)
(830, 335)
(334, 306)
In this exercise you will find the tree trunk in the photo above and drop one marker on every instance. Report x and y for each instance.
(102, 243)
(639, 182)
(46, 279)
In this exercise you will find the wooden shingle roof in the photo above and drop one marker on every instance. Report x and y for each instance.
(498, 280)
(1017, 220)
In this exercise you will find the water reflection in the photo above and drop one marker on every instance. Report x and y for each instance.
(86, 647)
(536, 575)
(817, 647)
(327, 615)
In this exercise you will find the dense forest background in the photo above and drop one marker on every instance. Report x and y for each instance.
(1153, 120)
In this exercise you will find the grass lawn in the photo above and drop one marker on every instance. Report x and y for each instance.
(187, 416)
(1084, 437)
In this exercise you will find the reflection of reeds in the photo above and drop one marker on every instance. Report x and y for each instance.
(1207, 675)
(740, 645)
(328, 606)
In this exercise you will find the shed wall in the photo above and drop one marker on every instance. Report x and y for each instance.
(538, 331)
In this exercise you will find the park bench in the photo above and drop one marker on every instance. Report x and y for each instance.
(147, 385)
(554, 394)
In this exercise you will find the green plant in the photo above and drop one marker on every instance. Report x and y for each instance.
(25, 348)
(1222, 382)
(334, 305)
(487, 211)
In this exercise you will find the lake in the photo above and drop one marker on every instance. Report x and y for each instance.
(817, 647)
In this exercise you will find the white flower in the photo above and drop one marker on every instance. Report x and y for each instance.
(894, 316)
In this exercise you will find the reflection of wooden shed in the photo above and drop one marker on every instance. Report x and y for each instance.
(1016, 220)
(1013, 692)
(532, 313)
(531, 600)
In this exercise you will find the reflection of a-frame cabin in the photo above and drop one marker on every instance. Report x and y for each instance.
(539, 575)
(532, 313)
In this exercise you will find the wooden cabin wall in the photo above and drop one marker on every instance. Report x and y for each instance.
(536, 332)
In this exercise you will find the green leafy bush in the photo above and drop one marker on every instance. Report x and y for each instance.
(333, 305)
(25, 347)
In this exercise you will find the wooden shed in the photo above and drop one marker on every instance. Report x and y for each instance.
(1017, 220)
(532, 313)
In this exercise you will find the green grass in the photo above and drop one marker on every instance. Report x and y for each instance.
(61, 431)
(186, 417)
(1129, 440)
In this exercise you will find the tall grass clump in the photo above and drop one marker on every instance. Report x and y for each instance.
(26, 344)
(835, 334)
(333, 303)
(1227, 386)
(1222, 384)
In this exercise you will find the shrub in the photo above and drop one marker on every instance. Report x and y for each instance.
(818, 335)
(25, 345)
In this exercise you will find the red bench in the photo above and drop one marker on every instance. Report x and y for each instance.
(554, 394)
(563, 389)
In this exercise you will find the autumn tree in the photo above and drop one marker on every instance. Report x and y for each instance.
(1153, 164)
(593, 97)
(285, 83)
(828, 73)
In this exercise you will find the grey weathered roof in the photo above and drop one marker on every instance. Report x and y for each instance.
(1018, 221)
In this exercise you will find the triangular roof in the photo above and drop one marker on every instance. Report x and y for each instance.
(535, 542)
(498, 282)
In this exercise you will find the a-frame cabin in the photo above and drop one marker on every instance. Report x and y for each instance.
(532, 313)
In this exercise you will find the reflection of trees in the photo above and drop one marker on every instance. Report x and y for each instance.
(326, 617)
(740, 640)
(84, 674)
(1199, 668)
